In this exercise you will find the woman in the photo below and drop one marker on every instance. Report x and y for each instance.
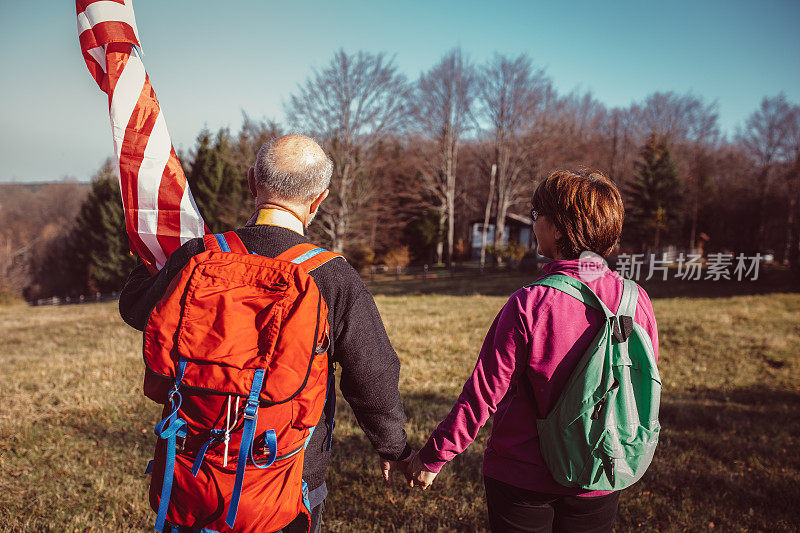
(539, 336)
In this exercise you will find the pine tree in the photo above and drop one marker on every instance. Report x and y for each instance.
(654, 196)
(99, 241)
(246, 145)
(199, 176)
(214, 181)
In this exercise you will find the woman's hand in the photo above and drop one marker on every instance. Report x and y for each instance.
(420, 476)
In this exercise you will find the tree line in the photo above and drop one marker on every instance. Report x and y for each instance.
(416, 162)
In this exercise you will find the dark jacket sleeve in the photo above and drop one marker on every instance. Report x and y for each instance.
(142, 291)
(370, 376)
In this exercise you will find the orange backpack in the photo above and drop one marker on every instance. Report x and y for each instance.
(237, 350)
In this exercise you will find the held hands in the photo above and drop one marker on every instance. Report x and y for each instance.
(418, 475)
(412, 468)
(387, 467)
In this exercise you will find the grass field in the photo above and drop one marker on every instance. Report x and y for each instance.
(76, 432)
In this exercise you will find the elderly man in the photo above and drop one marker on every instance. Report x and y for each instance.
(289, 181)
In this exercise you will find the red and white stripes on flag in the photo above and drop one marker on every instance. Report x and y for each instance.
(160, 213)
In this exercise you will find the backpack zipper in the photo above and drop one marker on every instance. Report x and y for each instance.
(290, 454)
(599, 406)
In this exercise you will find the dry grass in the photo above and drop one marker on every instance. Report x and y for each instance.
(76, 432)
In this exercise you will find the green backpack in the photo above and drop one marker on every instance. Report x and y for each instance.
(603, 430)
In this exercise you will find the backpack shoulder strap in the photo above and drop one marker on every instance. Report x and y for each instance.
(308, 256)
(295, 251)
(623, 324)
(210, 240)
(629, 299)
(575, 288)
(224, 242)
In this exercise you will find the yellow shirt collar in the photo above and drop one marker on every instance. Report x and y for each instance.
(278, 217)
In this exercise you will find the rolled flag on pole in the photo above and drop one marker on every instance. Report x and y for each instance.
(160, 213)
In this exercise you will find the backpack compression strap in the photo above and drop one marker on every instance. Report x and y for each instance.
(224, 242)
(308, 256)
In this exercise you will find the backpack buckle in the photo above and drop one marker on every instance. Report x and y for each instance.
(173, 392)
(180, 442)
(622, 327)
(250, 411)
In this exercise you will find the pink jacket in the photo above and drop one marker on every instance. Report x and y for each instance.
(544, 333)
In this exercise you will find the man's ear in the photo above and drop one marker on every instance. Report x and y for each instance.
(318, 200)
(251, 182)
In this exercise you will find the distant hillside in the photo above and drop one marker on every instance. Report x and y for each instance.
(33, 197)
(27, 208)
(9, 189)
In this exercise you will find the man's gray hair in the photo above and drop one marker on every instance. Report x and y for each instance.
(299, 177)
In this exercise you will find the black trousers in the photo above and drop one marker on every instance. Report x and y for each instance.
(515, 510)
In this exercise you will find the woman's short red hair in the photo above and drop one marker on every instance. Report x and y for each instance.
(585, 206)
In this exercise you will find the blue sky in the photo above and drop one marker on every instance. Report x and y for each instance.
(208, 61)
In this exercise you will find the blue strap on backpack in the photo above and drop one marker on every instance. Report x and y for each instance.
(170, 428)
(246, 446)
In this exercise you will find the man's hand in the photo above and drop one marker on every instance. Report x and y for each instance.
(419, 475)
(387, 467)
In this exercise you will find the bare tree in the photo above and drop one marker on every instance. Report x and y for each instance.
(765, 137)
(792, 247)
(351, 104)
(511, 91)
(442, 103)
(704, 135)
(13, 268)
(25, 234)
(572, 130)
(675, 117)
(487, 213)
(615, 142)
(251, 136)
(243, 150)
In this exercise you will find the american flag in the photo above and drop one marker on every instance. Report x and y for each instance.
(160, 213)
